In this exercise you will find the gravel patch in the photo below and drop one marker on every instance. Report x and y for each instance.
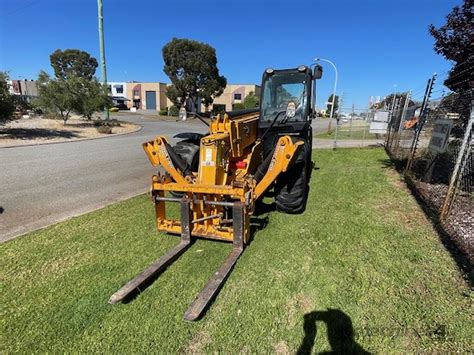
(39, 130)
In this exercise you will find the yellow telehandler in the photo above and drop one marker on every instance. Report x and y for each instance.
(218, 178)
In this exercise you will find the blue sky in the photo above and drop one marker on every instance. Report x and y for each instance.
(378, 46)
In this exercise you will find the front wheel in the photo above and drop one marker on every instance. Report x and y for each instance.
(291, 187)
(189, 152)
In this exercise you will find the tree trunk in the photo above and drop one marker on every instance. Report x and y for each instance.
(66, 117)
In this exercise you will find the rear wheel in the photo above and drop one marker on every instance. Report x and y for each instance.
(291, 187)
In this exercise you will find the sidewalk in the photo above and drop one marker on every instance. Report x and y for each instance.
(346, 143)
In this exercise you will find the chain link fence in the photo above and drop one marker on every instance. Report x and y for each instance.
(352, 129)
(433, 146)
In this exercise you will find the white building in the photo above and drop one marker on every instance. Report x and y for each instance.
(118, 92)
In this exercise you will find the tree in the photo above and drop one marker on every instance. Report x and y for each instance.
(336, 105)
(251, 100)
(90, 96)
(192, 69)
(73, 63)
(75, 87)
(213, 89)
(7, 105)
(453, 40)
(55, 96)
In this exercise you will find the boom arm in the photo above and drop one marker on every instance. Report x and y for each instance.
(283, 157)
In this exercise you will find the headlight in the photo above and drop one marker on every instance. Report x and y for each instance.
(269, 70)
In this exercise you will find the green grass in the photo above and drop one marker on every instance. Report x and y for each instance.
(362, 261)
(357, 132)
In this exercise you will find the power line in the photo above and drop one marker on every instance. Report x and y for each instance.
(18, 9)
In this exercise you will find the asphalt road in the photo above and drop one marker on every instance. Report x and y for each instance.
(44, 184)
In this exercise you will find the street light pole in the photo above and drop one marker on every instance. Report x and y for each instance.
(333, 92)
(102, 54)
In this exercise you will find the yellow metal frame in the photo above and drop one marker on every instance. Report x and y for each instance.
(218, 180)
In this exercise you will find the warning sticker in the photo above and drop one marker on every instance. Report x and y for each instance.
(208, 158)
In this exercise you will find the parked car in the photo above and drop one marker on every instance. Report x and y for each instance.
(121, 106)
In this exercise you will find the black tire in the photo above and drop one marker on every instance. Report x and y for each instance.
(291, 187)
(189, 152)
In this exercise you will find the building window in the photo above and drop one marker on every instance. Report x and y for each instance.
(136, 93)
(119, 89)
(237, 96)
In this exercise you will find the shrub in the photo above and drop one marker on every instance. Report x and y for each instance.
(104, 129)
(238, 106)
(251, 101)
(174, 111)
(115, 123)
(217, 108)
(7, 104)
(111, 123)
(164, 111)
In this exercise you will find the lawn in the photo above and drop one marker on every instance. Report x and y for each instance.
(359, 131)
(361, 270)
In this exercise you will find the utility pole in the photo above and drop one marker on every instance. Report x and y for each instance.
(333, 91)
(102, 54)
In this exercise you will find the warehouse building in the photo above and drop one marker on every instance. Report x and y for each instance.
(152, 96)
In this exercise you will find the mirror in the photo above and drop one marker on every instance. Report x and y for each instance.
(182, 114)
(291, 109)
(317, 72)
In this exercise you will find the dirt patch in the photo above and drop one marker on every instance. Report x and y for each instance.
(409, 218)
(304, 303)
(245, 350)
(299, 305)
(197, 343)
(395, 179)
(281, 348)
(39, 130)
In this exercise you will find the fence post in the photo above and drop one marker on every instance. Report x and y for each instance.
(350, 126)
(402, 119)
(461, 160)
(389, 121)
(421, 122)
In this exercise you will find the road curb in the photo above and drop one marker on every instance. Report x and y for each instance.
(71, 216)
(139, 128)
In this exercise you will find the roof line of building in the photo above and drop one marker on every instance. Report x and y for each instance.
(160, 82)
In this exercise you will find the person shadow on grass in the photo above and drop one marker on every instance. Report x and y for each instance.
(340, 333)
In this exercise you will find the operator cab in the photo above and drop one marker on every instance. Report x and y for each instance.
(286, 105)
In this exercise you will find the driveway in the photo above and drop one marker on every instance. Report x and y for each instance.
(45, 184)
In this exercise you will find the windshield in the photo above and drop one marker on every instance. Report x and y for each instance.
(282, 88)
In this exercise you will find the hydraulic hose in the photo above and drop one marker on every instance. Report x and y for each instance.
(262, 169)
